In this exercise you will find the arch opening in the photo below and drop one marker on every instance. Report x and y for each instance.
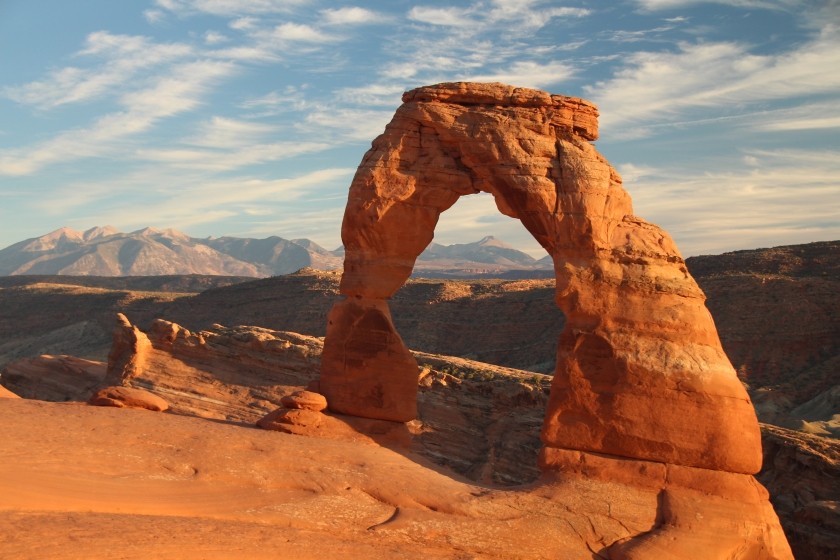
(638, 337)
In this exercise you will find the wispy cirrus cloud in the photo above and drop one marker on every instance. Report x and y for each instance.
(447, 17)
(223, 132)
(229, 159)
(180, 90)
(516, 16)
(352, 15)
(190, 203)
(767, 194)
(655, 5)
(230, 7)
(528, 74)
(657, 86)
(123, 58)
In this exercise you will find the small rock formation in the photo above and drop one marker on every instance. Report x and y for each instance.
(129, 349)
(231, 373)
(305, 400)
(300, 410)
(641, 383)
(128, 397)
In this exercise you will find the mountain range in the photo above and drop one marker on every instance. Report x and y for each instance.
(104, 251)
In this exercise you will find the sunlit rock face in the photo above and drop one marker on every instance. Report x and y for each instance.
(640, 370)
(643, 393)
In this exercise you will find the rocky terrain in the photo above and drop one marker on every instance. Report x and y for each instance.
(74, 315)
(799, 470)
(778, 314)
(647, 435)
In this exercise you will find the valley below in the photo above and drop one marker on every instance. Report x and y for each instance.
(200, 477)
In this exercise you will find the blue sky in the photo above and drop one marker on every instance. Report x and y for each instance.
(249, 117)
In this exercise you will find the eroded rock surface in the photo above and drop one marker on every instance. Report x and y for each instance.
(128, 397)
(640, 371)
(53, 378)
(638, 337)
(802, 473)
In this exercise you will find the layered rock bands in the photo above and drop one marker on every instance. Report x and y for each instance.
(641, 374)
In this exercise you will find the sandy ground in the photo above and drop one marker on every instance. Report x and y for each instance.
(86, 482)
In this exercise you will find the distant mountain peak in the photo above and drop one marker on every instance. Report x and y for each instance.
(62, 233)
(147, 232)
(490, 241)
(97, 232)
(105, 251)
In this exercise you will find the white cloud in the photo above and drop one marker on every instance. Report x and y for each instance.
(186, 199)
(124, 57)
(657, 86)
(774, 197)
(448, 17)
(292, 98)
(179, 91)
(154, 16)
(377, 94)
(221, 133)
(345, 124)
(231, 7)
(655, 5)
(214, 38)
(229, 159)
(527, 16)
(352, 15)
(528, 74)
(243, 23)
(297, 32)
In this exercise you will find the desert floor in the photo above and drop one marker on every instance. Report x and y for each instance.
(78, 481)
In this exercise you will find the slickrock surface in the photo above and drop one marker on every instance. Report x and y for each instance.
(105, 482)
(479, 420)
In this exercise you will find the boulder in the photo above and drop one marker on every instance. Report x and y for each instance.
(305, 400)
(128, 397)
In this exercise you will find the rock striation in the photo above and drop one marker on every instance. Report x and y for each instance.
(640, 373)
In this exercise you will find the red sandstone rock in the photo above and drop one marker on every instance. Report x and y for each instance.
(129, 350)
(6, 394)
(128, 397)
(53, 378)
(378, 375)
(306, 400)
(640, 371)
(287, 419)
(642, 384)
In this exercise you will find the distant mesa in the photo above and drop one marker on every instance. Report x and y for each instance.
(105, 251)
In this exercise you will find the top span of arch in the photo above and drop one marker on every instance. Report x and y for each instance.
(574, 113)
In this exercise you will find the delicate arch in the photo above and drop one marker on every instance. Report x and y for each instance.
(640, 370)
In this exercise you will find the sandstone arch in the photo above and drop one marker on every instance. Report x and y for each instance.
(640, 370)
